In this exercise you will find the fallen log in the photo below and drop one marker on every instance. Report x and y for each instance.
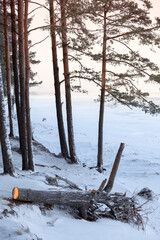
(82, 200)
(117, 206)
(69, 198)
(76, 199)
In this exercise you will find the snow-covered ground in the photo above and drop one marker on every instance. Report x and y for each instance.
(139, 168)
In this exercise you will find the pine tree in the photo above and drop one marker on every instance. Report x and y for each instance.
(7, 67)
(124, 22)
(123, 65)
(2, 49)
(16, 80)
(62, 137)
(22, 85)
(27, 75)
(5, 143)
(71, 141)
(102, 98)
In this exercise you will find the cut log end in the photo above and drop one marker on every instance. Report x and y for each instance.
(15, 193)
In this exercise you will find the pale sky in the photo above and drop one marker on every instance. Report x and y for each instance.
(44, 69)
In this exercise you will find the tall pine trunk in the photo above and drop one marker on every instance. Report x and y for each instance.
(102, 99)
(27, 71)
(4, 139)
(73, 156)
(62, 137)
(22, 84)
(8, 70)
(15, 64)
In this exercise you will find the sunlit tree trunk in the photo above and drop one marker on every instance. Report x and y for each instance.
(4, 139)
(73, 156)
(102, 99)
(8, 70)
(27, 71)
(61, 130)
(22, 84)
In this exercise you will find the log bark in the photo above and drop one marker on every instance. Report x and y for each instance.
(77, 199)
(119, 206)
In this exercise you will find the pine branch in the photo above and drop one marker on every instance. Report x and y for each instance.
(125, 45)
(86, 78)
(39, 28)
(119, 100)
(39, 4)
(34, 10)
(76, 60)
(130, 64)
(38, 42)
(140, 30)
(109, 6)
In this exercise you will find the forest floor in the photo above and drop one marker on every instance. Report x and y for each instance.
(139, 168)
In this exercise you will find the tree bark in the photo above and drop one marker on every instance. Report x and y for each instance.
(62, 137)
(73, 156)
(15, 65)
(119, 207)
(8, 70)
(27, 72)
(5, 143)
(112, 176)
(102, 100)
(78, 199)
(22, 84)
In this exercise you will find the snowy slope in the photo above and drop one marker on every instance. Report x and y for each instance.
(139, 168)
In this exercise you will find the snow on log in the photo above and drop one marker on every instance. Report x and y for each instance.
(118, 206)
(76, 199)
